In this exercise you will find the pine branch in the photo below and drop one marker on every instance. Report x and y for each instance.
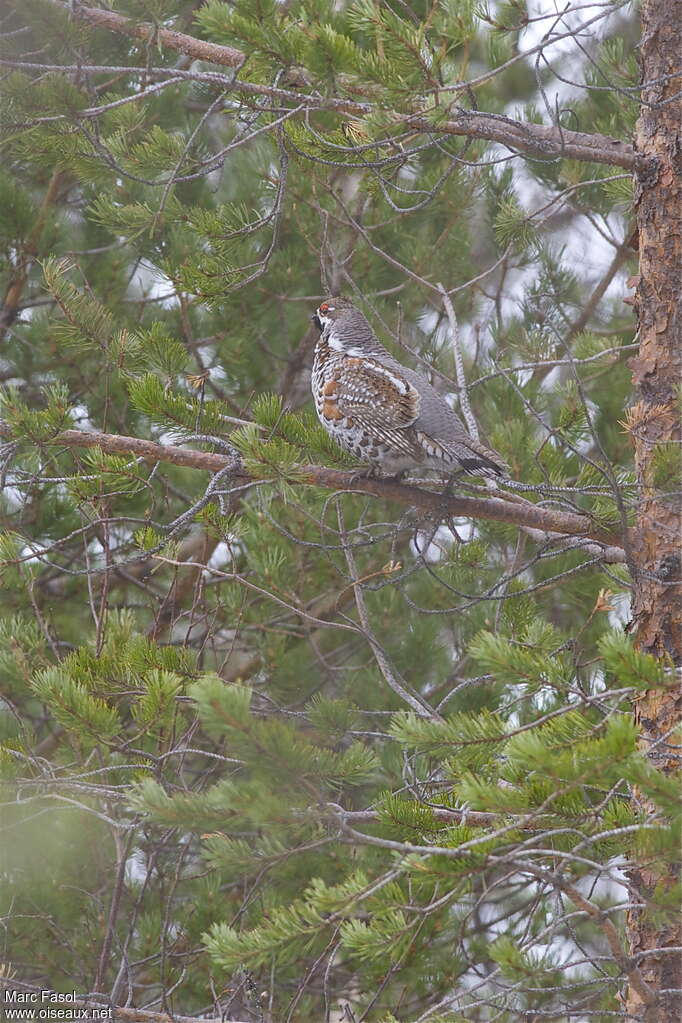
(544, 141)
(199, 49)
(495, 509)
(147, 449)
(539, 140)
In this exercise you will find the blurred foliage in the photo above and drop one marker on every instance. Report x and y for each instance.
(197, 739)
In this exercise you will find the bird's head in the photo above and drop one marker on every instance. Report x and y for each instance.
(333, 311)
(345, 329)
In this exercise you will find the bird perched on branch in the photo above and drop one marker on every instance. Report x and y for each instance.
(381, 411)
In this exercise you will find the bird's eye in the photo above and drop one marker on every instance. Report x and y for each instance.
(324, 308)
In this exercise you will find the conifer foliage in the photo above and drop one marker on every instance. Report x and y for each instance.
(278, 742)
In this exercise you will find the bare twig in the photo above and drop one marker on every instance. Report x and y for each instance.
(26, 255)
(463, 394)
(398, 685)
(627, 965)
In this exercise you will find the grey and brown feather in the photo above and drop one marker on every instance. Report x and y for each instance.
(381, 411)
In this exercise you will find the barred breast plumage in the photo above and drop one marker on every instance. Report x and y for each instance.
(381, 411)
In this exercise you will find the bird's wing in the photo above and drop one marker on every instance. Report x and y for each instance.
(380, 398)
(442, 434)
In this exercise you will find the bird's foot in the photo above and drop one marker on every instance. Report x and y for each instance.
(374, 473)
(397, 477)
(450, 482)
(371, 473)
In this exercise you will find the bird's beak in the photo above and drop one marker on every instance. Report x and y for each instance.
(316, 320)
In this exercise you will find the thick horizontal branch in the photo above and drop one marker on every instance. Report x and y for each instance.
(115, 444)
(537, 140)
(496, 509)
(213, 53)
(493, 508)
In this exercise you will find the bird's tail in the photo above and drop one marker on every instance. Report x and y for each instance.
(465, 455)
(480, 464)
(477, 459)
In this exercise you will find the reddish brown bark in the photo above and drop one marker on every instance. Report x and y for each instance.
(655, 421)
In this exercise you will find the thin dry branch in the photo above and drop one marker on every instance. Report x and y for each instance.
(397, 684)
(450, 817)
(27, 253)
(626, 964)
(544, 141)
(495, 509)
(115, 444)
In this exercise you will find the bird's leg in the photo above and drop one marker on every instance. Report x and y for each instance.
(447, 492)
(371, 473)
(450, 482)
(374, 473)
(397, 477)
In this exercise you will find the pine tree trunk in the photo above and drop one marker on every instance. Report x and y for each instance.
(657, 372)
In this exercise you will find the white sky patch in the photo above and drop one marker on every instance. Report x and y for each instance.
(136, 868)
(27, 552)
(621, 610)
(585, 250)
(223, 555)
(95, 548)
(563, 54)
(597, 683)
(81, 415)
(169, 436)
(13, 497)
(149, 282)
(218, 373)
(442, 540)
